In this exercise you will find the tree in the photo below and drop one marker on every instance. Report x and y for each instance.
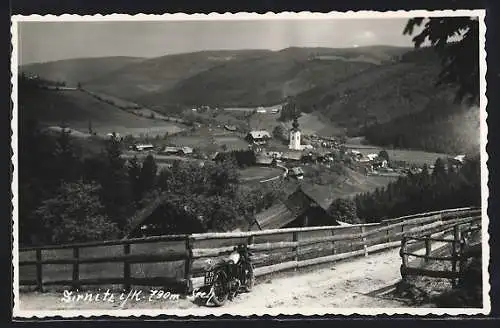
(460, 58)
(344, 210)
(67, 162)
(384, 155)
(439, 169)
(116, 192)
(148, 173)
(134, 175)
(279, 132)
(75, 214)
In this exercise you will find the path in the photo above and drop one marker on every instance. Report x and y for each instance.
(344, 284)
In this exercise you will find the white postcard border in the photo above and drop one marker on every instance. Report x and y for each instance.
(202, 312)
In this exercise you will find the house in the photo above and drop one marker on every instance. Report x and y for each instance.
(459, 158)
(258, 137)
(301, 209)
(291, 156)
(159, 218)
(297, 173)
(231, 128)
(186, 150)
(171, 150)
(274, 154)
(265, 160)
(380, 163)
(142, 147)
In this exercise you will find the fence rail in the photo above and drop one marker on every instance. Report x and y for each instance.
(456, 245)
(177, 262)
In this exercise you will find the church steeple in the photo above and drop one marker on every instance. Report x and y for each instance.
(295, 136)
(295, 125)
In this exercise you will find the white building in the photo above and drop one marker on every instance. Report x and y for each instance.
(295, 137)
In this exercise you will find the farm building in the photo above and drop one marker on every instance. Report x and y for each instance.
(291, 156)
(231, 128)
(265, 160)
(142, 147)
(301, 209)
(274, 154)
(158, 218)
(177, 150)
(297, 173)
(258, 137)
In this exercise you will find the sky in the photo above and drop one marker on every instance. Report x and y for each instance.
(50, 41)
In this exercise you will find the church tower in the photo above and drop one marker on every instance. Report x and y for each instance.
(295, 136)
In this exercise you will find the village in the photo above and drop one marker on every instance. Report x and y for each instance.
(290, 153)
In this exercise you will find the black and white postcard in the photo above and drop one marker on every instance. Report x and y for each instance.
(267, 164)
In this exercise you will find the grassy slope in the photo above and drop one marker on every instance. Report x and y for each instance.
(266, 80)
(453, 131)
(162, 73)
(77, 70)
(76, 108)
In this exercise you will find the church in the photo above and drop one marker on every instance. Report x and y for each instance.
(295, 137)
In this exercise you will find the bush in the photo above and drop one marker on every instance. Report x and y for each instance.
(344, 210)
(75, 214)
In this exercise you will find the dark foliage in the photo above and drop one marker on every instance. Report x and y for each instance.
(460, 57)
(443, 130)
(445, 187)
(242, 158)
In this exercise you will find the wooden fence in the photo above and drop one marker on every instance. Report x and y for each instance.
(454, 238)
(177, 262)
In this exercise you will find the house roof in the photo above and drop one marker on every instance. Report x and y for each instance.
(141, 215)
(264, 160)
(260, 134)
(297, 170)
(320, 195)
(170, 149)
(187, 150)
(294, 155)
(274, 217)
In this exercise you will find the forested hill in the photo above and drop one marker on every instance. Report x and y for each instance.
(79, 70)
(436, 129)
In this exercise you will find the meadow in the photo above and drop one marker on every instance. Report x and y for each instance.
(79, 110)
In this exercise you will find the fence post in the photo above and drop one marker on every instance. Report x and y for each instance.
(462, 260)
(365, 248)
(188, 265)
(296, 248)
(126, 268)
(251, 240)
(456, 240)
(39, 281)
(428, 249)
(76, 268)
(333, 242)
(404, 258)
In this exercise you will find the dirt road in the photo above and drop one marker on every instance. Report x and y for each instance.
(348, 284)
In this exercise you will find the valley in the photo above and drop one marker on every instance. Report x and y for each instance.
(209, 102)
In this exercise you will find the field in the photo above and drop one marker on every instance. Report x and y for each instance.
(209, 139)
(77, 110)
(253, 174)
(347, 184)
(416, 157)
(309, 124)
